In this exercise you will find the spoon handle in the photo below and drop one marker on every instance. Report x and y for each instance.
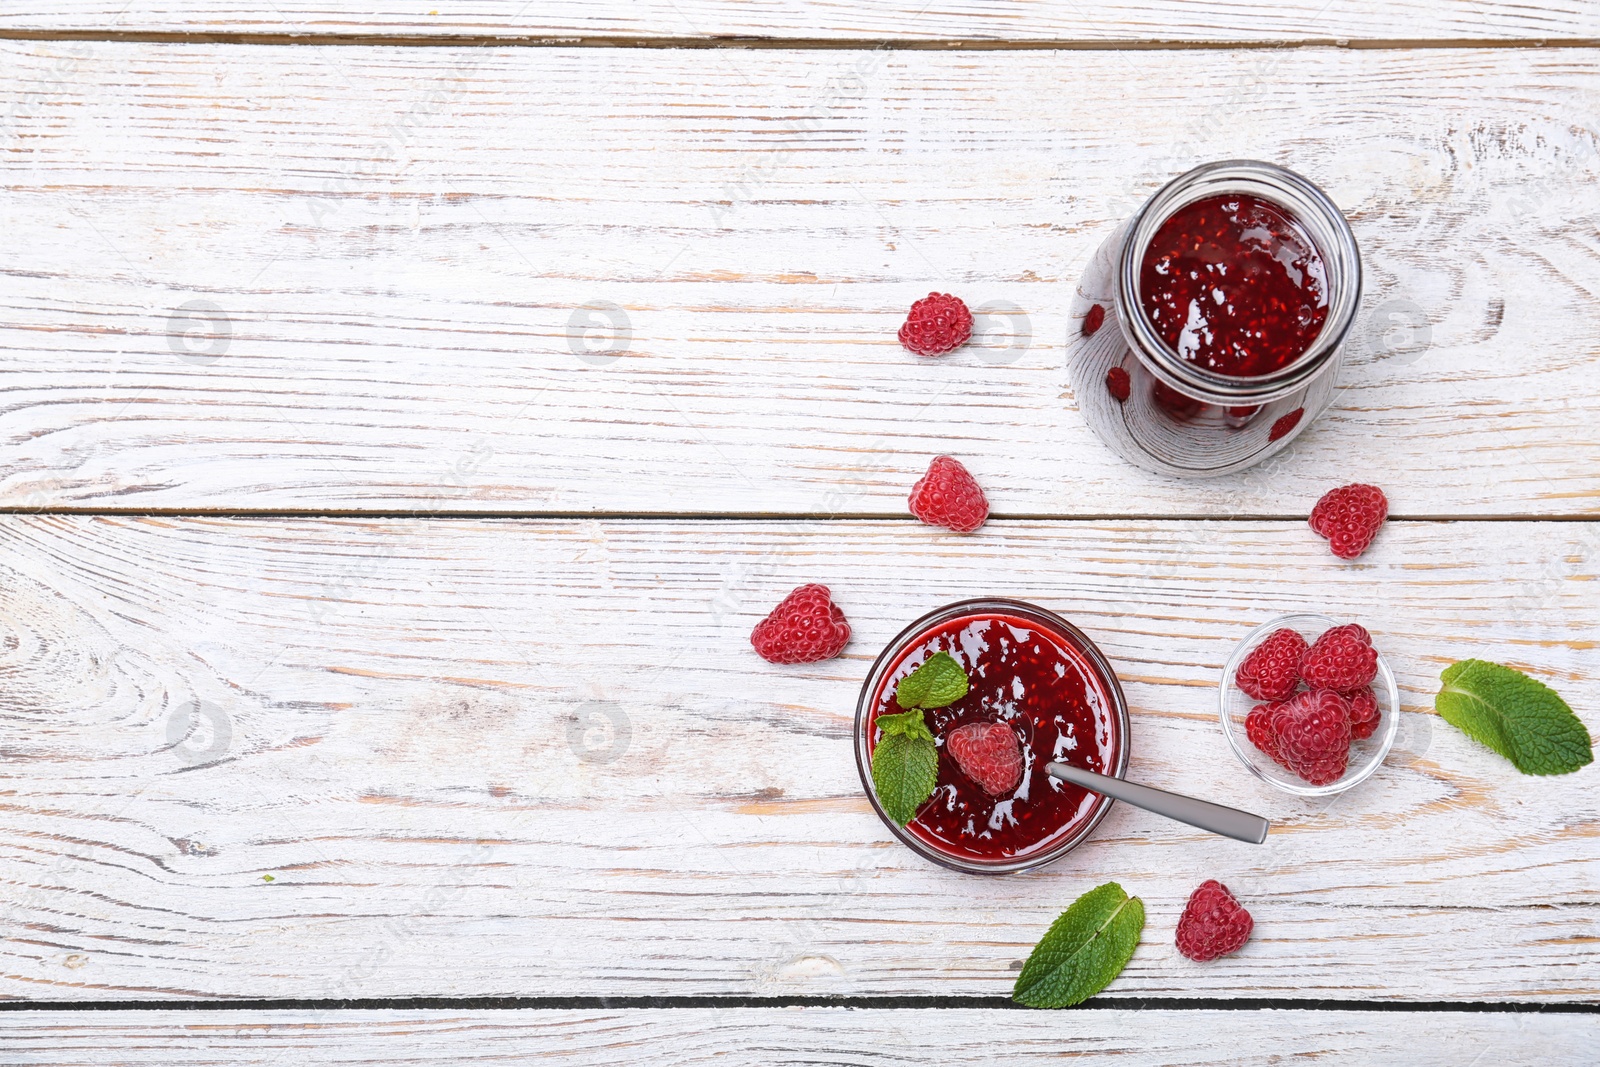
(1229, 822)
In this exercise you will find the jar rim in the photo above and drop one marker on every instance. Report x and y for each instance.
(979, 606)
(1328, 230)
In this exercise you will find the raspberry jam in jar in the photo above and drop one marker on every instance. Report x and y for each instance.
(1231, 291)
(1038, 675)
(1234, 285)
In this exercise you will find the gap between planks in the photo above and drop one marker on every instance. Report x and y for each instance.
(820, 44)
(885, 1003)
(780, 517)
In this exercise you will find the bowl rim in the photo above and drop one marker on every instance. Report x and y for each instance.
(1232, 731)
(990, 606)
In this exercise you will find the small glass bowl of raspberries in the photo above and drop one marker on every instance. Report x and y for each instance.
(1309, 705)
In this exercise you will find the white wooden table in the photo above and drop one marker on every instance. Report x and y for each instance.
(408, 411)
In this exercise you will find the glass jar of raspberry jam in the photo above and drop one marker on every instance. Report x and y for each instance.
(1212, 321)
(1039, 676)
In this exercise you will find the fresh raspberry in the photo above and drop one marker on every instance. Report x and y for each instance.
(1349, 517)
(1213, 923)
(937, 323)
(1364, 714)
(1285, 424)
(988, 753)
(1358, 631)
(949, 496)
(1119, 385)
(806, 627)
(1258, 726)
(1342, 659)
(1272, 669)
(1313, 732)
(1094, 320)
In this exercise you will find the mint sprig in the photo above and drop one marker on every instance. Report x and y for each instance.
(1519, 717)
(939, 682)
(904, 771)
(1083, 950)
(905, 761)
(907, 724)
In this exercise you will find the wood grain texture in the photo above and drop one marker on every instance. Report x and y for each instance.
(1010, 20)
(342, 758)
(800, 1036)
(408, 249)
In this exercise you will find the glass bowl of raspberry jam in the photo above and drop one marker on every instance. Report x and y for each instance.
(1366, 755)
(1039, 675)
(1223, 306)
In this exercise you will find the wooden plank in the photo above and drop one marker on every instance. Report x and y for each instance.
(371, 758)
(408, 250)
(965, 20)
(808, 1036)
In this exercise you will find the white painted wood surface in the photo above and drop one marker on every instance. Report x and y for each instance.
(431, 756)
(800, 1036)
(1006, 20)
(406, 778)
(401, 240)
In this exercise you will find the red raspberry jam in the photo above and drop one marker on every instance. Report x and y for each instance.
(1234, 285)
(1037, 682)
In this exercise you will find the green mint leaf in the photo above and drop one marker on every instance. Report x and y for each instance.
(1083, 950)
(905, 769)
(938, 682)
(1519, 717)
(909, 723)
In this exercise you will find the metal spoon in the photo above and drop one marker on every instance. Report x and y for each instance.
(1229, 822)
